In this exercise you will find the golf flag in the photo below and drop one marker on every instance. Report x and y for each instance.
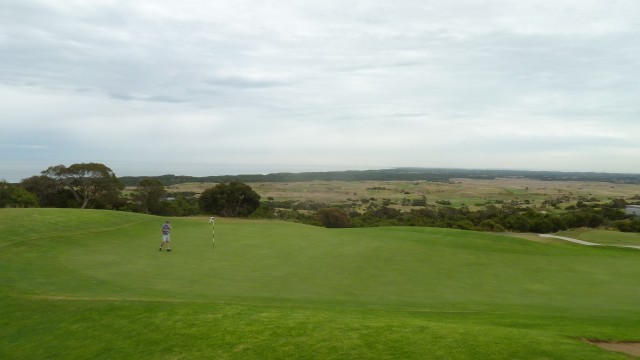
(213, 232)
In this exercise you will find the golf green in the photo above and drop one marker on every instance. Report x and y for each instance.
(80, 284)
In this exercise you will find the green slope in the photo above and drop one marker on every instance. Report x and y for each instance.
(604, 237)
(282, 290)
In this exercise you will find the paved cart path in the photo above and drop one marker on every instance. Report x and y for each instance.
(569, 239)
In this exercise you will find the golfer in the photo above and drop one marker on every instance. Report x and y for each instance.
(166, 235)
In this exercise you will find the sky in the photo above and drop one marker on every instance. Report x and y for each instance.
(260, 86)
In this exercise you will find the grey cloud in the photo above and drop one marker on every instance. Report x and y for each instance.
(301, 72)
(125, 97)
(154, 98)
(243, 83)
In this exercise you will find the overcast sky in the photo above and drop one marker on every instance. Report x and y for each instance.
(247, 86)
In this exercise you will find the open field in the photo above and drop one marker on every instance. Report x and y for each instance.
(80, 284)
(469, 192)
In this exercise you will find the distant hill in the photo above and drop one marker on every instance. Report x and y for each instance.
(405, 174)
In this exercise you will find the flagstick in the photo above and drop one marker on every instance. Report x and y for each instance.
(213, 232)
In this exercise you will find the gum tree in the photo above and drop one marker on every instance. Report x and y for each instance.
(232, 199)
(86, 181)
(148, 194)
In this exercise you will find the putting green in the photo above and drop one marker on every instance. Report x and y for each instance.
(285, 290)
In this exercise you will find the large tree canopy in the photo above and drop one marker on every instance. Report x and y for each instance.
(232, 199)
(47, 190)
(87, 181)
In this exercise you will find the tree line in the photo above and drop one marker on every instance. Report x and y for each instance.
(94, 185)
(397, 174)
(493, 218)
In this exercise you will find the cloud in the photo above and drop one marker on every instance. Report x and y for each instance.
(154, 98)
(296, 84)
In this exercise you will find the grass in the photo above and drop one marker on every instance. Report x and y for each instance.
(80, 284)
(604, 237)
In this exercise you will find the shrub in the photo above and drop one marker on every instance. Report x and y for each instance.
(333, 218)
(490, 225)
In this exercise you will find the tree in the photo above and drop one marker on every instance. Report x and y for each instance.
(182, 204)
(232, 199)
(16, 196)
(148, 194)
(86, 181)
(47, 190)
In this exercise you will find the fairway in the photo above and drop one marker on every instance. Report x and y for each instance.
(79, 284)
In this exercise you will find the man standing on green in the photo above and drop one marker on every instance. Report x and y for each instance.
(166, 235)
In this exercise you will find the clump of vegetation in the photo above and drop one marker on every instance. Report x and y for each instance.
(16, 196)
(93, 185)
(333, 218)
(233, 199)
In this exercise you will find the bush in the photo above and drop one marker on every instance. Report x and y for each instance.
(628, 225)
(490, 225)
(465, 225)
(333, 218)
(419, 202)
(264, 211)
(16, 196)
